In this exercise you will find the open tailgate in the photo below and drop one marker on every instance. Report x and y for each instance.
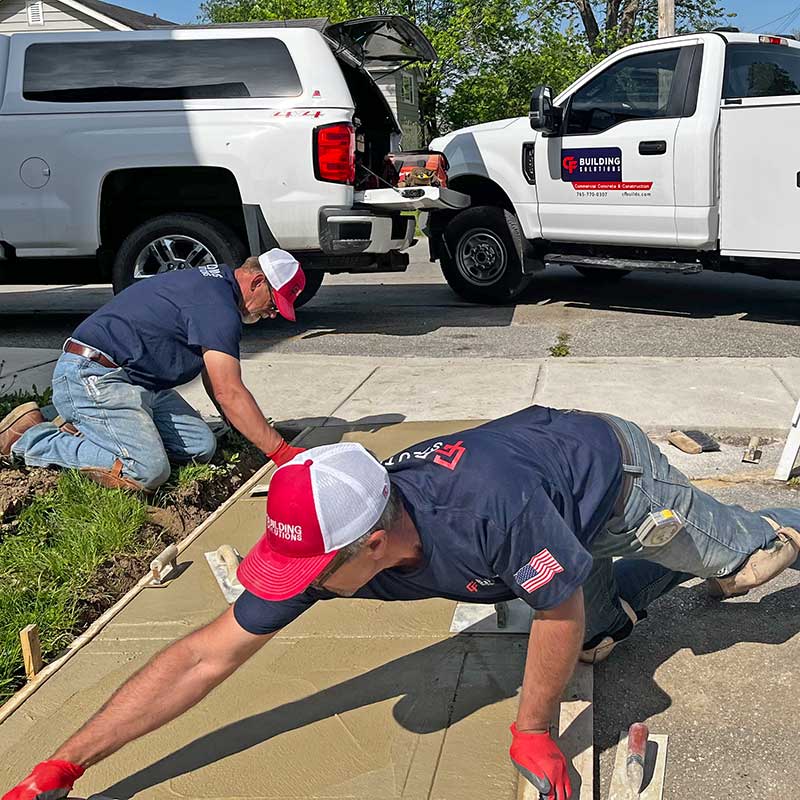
(413, 198)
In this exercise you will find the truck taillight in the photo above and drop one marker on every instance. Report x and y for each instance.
(335, 153)
(772, 40)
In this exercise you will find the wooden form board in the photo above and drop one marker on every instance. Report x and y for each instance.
(575, 736)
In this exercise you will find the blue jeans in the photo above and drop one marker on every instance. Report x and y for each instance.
(144, 429)
(715, 540)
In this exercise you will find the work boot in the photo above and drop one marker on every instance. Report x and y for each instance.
(762, 566)
(112, 478)
(16, 423)
(599, 648)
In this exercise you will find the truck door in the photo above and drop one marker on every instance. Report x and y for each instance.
(609, 177)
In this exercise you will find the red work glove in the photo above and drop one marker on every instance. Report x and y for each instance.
(51, 778)
(538, 758)
(284, 453)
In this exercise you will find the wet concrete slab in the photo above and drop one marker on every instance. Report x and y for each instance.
(355, 700)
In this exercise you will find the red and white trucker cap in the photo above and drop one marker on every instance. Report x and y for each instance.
(285, 277)
(319, 502)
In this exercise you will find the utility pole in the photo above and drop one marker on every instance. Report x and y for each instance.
(666, 18)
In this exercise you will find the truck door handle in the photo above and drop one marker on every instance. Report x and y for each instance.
(656, 148)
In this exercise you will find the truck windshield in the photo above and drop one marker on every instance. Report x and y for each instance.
(761, 70)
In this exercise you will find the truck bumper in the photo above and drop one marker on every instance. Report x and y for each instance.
(348, 231)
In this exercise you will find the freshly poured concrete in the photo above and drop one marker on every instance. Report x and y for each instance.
(357, 699)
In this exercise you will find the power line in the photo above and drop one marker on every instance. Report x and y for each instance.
(784, 19)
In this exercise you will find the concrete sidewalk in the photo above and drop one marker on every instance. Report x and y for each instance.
(722, 395)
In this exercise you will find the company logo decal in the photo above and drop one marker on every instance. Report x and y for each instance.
(292, 533)
(597, 169)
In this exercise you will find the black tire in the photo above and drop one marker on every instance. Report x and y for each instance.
(600, 275)
(222, 246)
(313, 282)
(484, 255)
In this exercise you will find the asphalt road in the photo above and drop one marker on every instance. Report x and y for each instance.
(415, 313)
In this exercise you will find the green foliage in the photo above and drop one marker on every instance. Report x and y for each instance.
(61, 539)
(493, 52)
(8, 402)
(561, 348)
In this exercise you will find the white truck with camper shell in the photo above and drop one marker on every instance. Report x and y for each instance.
(678, 155)
(173, 148)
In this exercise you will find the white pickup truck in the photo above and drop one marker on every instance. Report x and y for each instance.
(678, 155)
(182, 147)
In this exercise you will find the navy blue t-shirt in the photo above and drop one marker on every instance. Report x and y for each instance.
(504, 510)
(156, 329)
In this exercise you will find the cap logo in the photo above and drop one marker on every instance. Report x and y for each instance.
(292, 533)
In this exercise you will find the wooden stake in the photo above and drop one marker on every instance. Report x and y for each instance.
(31, 650)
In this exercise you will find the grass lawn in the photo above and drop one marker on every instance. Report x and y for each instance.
(70, 550)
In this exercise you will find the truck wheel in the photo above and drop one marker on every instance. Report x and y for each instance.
(313, 282)
(483, 258)
(600, 275)
(175, 241)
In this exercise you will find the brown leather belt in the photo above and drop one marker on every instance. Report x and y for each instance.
(78, 349)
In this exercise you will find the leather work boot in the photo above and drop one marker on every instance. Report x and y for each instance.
(16, 423)
(762, 566)
(595, 653)
(112, 478)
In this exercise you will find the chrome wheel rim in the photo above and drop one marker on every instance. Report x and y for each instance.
(481, 257)
(168, 253)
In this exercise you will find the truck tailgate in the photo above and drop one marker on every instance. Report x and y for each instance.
(760, 178)
(413, 198)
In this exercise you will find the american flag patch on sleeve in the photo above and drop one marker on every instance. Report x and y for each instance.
(538, 572)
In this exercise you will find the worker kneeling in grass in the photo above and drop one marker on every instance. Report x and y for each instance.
(120, 420)
(533, 505)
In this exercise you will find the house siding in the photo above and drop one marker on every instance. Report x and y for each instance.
(406, 114)
(57, 17)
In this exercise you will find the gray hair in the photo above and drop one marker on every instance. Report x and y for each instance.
(388, 519)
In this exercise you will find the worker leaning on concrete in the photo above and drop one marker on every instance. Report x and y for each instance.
(120, 420)
(533, 505)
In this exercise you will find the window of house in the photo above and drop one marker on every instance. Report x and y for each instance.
(407, 89)
(183, 69)
(35, 12)
(637, 87)
(761, 70)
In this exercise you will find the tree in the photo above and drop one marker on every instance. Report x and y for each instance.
(491, 52)
(621, 22)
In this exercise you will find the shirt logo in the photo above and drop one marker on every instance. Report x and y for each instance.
(477, 583)
(449, 455)
(211, 271)
(444, 455)
(538, 572)
(292, 533)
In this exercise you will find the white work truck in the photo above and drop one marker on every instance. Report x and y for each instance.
(678, 155)
(180, 147)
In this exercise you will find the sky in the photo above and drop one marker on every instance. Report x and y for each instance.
(749, 13)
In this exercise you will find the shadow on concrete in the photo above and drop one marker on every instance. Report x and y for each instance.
(427, 703)
(626, 689)
(703, 296)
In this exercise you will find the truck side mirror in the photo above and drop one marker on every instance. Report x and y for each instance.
(544, 116)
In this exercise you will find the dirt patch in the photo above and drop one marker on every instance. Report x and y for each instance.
(183, 508)
(18, 487)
